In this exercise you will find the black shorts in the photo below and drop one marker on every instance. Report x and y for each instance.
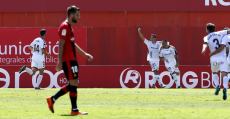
(70, 69)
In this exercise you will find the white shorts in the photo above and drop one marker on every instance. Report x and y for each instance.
(38, 64)
(154, 65)
(219, 64)
(171, 67)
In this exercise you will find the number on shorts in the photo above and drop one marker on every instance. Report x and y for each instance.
(217, 42)
(74, 69)
(36, 48)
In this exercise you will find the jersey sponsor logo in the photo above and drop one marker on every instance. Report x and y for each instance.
(131, 75)
(154, 48)
(63, 33)
(214, 2)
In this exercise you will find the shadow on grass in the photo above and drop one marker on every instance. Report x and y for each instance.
(68, 115)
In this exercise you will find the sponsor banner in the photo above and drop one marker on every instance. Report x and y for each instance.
(116, 5)
(109, 77)
(15, 42)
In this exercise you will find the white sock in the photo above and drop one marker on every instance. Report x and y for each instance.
(176, 79)
(39, 80)
(215, 78)
(154, 79)
(28, 70)
(225, 82)
(158, 78)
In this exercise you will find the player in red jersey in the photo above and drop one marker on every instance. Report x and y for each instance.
(68, 60)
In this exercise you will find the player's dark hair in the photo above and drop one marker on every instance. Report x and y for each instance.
(154, 35)
(72, 9)
(210, 27)
(226, 28)
(42, 32)
(165, 41)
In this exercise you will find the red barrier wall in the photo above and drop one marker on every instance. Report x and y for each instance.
(114, 5)
(112, 36)
(116, 19)
(109, 77)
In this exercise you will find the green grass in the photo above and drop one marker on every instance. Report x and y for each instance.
(116, 104)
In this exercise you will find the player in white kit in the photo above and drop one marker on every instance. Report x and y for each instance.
(226, 38)
(218, 57)
(168, 54)
(153, 56)
(38, 60)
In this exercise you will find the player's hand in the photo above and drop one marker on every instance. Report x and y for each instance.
(59, 66)
(203, 53)
(210, 54)
(48, 54)
(88, 57)
(139, 29)
(176, 65)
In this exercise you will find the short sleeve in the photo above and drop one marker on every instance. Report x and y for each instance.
(205, 39)
(146, 41)
(174, 51)
(224, 40)
(32, 44)
(43, 45)
(62, 32)
(223, 32)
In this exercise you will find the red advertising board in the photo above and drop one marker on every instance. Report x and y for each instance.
(14, 49)
(114, 5)
(109, 77)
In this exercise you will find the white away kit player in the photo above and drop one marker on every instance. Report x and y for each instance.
(38, 60)
(168, 54)
(227, 39)
(218, 57)
(153, 56)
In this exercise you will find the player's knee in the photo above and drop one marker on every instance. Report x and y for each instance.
(155, 72)
(224, 74)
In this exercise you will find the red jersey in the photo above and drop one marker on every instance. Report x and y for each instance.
(66, 32)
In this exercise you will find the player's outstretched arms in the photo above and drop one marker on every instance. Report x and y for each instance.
(205, 45)
(60, 54)
(139, 31)
(83, 53)
(218, 50)
(44, 52)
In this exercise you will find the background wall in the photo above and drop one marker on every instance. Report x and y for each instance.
(112, 36)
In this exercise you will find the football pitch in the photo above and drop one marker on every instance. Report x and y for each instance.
(116, 104)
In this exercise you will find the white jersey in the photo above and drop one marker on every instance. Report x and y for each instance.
(226, 41)
(214, 41)
(168, 54)
(153, 50)
(38, 44)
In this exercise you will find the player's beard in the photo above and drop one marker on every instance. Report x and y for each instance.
(74, 20)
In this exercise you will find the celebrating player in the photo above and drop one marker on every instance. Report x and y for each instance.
(67, 60)
(153, 55)
(218, 58)
(38, 59)
(168, 54)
